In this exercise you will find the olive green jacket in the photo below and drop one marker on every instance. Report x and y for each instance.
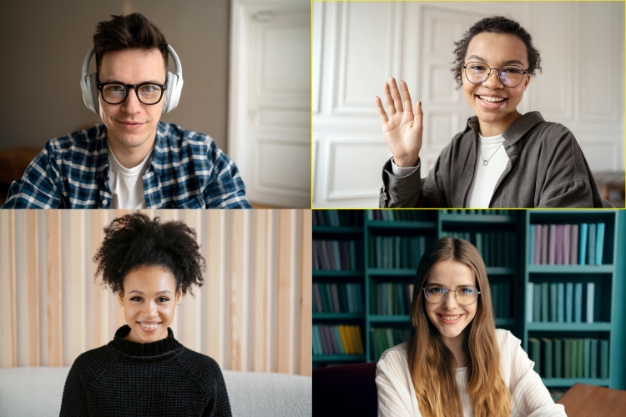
(546, 168)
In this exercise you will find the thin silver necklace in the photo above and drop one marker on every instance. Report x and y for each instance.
(486, 161)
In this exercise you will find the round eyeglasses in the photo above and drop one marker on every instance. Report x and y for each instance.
(509, 75)
(465, 294)
(147, 93)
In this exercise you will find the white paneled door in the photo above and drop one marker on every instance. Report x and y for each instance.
(270, 100)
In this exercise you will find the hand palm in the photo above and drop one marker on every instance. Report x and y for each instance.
(403, 130)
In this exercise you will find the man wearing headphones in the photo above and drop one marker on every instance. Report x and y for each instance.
(133, 160)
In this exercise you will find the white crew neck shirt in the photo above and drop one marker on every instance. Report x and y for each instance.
(486, 177)
(529, 396)
(126, 184)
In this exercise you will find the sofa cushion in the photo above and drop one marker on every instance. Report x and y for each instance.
(38, 391)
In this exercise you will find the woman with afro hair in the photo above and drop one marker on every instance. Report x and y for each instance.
(503, 158)
(144, 370)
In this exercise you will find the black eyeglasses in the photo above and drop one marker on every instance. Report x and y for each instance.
(147, 93)
(510, 76)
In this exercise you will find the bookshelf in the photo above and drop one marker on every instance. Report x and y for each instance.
(349, 229)
(600, 302)
(609, 278)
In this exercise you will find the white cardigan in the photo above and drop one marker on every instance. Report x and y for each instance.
(529, 397)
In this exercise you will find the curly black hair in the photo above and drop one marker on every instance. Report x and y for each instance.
(135, 240)
(496, 24)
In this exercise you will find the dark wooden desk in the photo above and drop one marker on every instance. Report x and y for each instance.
(588, 400)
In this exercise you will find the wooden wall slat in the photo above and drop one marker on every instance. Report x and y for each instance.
(9, 314)
(306, 316)
(236, 291)
(31, 264)
(260, 290)
(190, 309)
(283, 330)
(77, 282)
(213, 254)
(54, 302)
(241, 251)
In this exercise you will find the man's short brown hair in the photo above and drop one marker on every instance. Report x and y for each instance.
(131, 31)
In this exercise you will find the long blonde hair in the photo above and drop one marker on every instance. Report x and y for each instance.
(431, 363)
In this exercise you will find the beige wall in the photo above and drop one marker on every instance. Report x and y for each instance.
(252, 314)
(44, 43)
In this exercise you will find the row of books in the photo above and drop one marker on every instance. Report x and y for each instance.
(337, 340)
(391, 298)
(338, 218)
(501, 299)
(385, 338)
(337, 255)
(560, 302)
(566, 244)
(396, 251)
(402, 215)
(570, 358)
(337, 298)
(497, 248)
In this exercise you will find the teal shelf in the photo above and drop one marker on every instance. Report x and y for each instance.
(568, 382)
(337, 274)
(339, 358)
(569, 327)
(570, 269)
(381, 224)
(388, 272)
(381, 318)
(338, 316)
(477, 218)
(505, 322)
(498, 270)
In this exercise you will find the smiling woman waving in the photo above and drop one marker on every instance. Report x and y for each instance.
(456, 363)
(145, 371)
(503, 158)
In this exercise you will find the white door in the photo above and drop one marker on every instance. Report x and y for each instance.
(270, 100)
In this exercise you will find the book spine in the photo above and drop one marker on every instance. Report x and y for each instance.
(559, 245)
(567, 250)
(591, 255)
(574, 247)
(558, 358)
(594, 359)
(590, 298)
(604, 359)
(578, 302)
(569, 302)
(529, 301)
(560, 302)
(587, 358)
(582, 255)
(553, 298)
(567, 357)
(537, 303)
(545, 294)
(548, 357)
(552, 247)
(600, 243)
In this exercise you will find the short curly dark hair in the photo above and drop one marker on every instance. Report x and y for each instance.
(135, 240)
(495, 24)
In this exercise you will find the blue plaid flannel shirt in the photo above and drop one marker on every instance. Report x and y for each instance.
(187, 170)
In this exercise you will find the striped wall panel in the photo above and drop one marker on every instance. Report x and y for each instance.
(252, 314)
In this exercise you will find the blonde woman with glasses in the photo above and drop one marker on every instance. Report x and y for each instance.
(456, 363)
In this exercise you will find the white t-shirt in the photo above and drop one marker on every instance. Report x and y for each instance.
(485, 177)
(529, 397)
(126, 184)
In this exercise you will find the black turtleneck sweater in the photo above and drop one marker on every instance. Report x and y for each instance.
(162, 378)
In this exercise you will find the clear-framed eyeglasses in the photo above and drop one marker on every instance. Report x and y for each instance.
(147, 93)
(509, 75)
(464, 294)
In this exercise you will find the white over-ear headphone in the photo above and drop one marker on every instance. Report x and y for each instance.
(88, 84)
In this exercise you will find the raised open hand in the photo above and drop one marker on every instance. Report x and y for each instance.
(403, 128)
